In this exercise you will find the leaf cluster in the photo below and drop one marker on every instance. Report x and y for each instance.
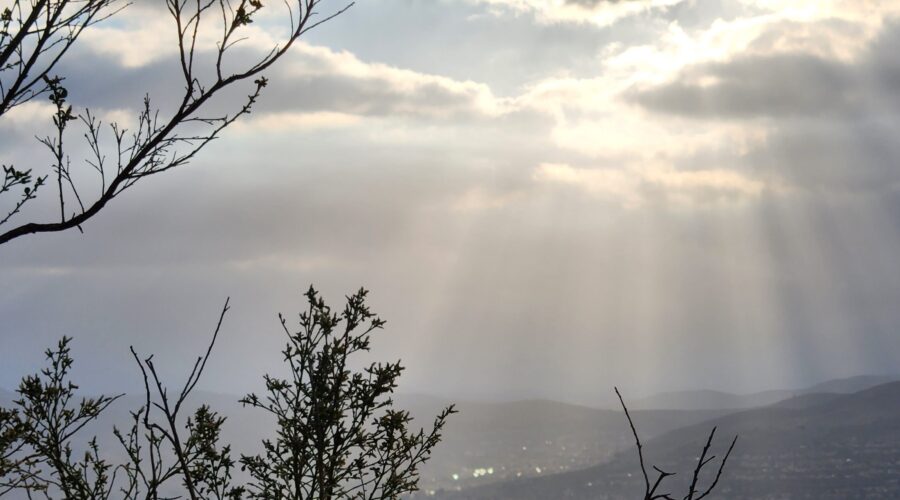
(338, 433)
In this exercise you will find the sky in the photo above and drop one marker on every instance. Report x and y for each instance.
(546, 198)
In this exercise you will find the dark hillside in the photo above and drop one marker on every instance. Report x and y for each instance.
(818, 448)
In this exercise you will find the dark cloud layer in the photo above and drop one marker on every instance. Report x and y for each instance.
(373, 96)
(829, 123)
(784, 85)
(792, 84)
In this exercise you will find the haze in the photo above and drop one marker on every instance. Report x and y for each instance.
(546, 198)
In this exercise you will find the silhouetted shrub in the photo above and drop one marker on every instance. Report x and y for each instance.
(337, 434)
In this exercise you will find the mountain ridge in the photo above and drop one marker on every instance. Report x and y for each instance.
(845, 446)
(708, 399)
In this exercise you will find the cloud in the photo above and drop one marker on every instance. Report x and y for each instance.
(136, 53)
(785, 67)
(856, 156)
(298, 122)
(617, 184)
(827, 120)
(635, 188)
(598, 12)
(758, 86)
(734, 69)
(310, 81)
(521, 183)
(28, 116)
(317, 78)
(145, 32)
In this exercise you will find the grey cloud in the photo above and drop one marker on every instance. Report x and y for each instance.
(336, 188)
(830, 124)
(367, 97)
(461, 40)
(759, 86)
(318, 90)
(687, 14)
(693, 14)
(781, 85)
(855, 156)
(522, 52)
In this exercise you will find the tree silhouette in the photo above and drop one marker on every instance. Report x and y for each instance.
(36, 34)
(337, 434)
(37, 449)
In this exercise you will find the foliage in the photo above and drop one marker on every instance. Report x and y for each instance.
(38, 434)
(337, 434)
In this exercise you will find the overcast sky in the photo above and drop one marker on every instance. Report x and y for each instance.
(546, 198)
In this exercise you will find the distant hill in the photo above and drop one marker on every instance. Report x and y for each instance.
(717, 400)
(707, 399)
(852, 384)
(822, 447)
(489, 442)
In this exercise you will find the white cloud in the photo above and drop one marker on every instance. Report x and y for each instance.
(407, 92)
(633, 188)
(32, 114)
(617, 184)
(141, 34)
(599, 12)
(294, 121)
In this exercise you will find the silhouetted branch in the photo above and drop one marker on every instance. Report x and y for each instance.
(183, 449)
(650, 492)
(640, 447)
(715, 481)
(35, 35)
(157, 143)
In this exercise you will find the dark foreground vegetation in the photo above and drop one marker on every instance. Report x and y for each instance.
(336, 432)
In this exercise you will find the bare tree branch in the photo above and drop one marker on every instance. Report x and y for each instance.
(157, 144)
(650, 492)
